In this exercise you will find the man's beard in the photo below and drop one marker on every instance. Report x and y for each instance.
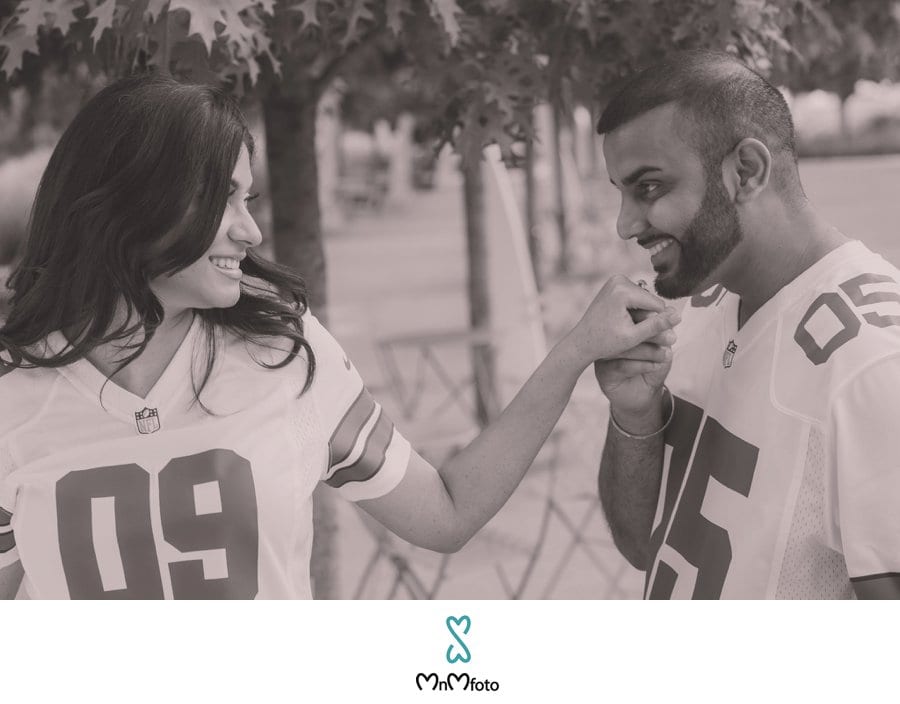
(708, 240)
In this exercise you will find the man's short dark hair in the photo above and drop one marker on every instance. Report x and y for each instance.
(721, 101)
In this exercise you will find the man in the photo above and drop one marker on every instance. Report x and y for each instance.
(770, 466)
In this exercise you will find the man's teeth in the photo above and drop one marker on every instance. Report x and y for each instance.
(657, 248)
(225, 262)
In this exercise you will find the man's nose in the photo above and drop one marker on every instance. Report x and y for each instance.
(631, 221)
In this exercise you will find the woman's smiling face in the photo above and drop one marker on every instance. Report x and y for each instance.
(213, 281)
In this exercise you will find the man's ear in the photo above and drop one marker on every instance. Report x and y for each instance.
(747, 169)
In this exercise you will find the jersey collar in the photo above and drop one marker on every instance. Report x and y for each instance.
(786, 294)
(172, 388)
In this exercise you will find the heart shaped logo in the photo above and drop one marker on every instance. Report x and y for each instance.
(462, 654)
(427, 679)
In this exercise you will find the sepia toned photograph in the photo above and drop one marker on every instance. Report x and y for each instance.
(449, 299)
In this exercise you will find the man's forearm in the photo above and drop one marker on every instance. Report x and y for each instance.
(629, 482)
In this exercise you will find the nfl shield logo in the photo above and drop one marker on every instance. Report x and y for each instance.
(147, 420)
(728, 357)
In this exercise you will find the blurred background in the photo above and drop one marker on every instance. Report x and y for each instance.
(431, 167)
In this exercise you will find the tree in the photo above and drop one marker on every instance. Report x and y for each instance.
(479, 90)
(288, 51)
(512, 54)
(590, 45)
(839, 44)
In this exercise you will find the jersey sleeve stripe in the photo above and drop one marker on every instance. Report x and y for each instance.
(343, 440)
(7, 542)
(372, 457)
(5, 518)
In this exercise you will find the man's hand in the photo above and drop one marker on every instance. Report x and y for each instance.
(622, 323)
(633, 381)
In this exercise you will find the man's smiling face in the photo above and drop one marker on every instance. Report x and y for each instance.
(671, 204)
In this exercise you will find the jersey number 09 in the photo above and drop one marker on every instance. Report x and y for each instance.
(232, 529)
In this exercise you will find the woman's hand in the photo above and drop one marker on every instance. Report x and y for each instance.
(624, 322)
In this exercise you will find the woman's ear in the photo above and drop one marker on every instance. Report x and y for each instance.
(747, 169)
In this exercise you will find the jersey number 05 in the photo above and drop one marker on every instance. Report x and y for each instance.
(719, 455)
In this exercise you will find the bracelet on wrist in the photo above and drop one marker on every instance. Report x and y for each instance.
(665, 425)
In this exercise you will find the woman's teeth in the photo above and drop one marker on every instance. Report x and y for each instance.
(224, 262)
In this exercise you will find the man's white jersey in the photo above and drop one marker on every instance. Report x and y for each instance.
(781, 475)
(104, 494)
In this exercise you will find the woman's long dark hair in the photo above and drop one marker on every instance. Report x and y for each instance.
(136, 189)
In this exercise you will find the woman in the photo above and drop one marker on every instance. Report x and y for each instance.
(168, 403)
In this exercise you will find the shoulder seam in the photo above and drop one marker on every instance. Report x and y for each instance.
(859, 372)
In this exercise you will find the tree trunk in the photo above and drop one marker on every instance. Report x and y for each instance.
(479, 298)
(31, 96)
(289, 112)
(560, 194)
(593, 157)
(846, 133)
(531, 225)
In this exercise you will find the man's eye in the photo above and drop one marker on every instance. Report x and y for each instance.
(251, 196)
(648, 189)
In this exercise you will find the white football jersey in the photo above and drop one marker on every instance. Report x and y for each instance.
(104, 494)
(781, 476)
